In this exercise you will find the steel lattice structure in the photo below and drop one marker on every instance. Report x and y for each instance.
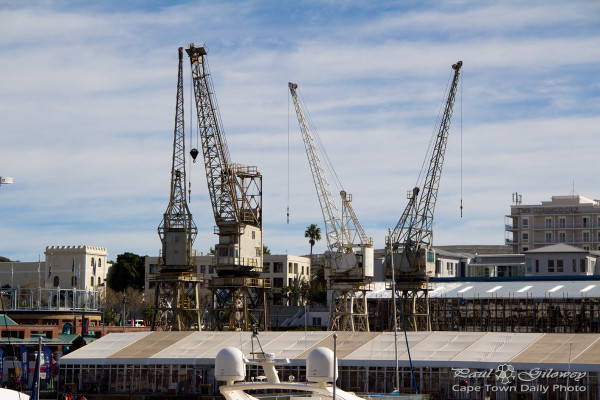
(236, 197)
(176, 303)
(349, 261)
(409, 246)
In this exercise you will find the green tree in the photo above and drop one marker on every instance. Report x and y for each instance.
(318, 288)
(4, 259)
(128, 271)
(313, 233)
(266, 250)
(110, 317)
(147, 313)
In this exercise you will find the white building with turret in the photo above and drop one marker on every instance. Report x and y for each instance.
(67, 267)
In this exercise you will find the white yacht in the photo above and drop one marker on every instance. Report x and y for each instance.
(321, 369)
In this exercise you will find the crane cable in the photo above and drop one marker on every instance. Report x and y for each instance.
(191, 142)
(319, 145)
(288, 200)
(461, 147)
(432, 140)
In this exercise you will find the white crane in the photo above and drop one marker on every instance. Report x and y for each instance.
(349, 259)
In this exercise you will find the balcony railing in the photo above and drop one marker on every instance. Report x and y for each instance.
(20, 299)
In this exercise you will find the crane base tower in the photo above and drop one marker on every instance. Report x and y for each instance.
(239, 303)
(412, 306)
(348, 310)
(177, 302)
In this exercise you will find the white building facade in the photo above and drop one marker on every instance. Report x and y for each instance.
(562, 260)
(67, 267)
(283, 270)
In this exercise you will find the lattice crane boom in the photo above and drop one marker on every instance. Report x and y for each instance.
(235, 190)
(177, 230)
(413, 233)
(346, 239)
(331, 216)
(219, 173)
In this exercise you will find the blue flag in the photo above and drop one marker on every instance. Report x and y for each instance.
(25, 364)
(36, 379)
(47, 361)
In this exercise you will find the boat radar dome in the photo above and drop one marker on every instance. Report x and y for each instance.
(321, 365)
(230, 365)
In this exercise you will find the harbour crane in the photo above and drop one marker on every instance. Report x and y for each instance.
(349, 259)
(239, 295)
(176, 302)
(410, 252)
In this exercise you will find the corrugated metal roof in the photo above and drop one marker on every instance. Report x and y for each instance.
(514, 289)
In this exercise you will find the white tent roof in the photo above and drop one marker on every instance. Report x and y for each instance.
(434, 349)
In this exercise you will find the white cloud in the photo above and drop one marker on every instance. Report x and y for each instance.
(88, 98)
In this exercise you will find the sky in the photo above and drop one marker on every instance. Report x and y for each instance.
(87, 106)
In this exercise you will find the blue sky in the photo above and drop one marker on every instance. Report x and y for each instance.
(87, 92)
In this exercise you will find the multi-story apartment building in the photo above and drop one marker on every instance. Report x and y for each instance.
(283, 270)
(573, 219)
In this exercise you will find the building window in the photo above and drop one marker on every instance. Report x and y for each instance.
(308, 270)
(586, 248)
(253, 234)
(537, 265)
(525, 249)
(289, 268)
(290, 282)
(562, 237)
(559, 265)
(550, 265)
(548, 223)
(99, 281)
(525, 237)
(525, 222)
(586, 236)
(257, 251)
(92, 281)
(278, 282)
(266, 267)
(56, 281)
(211, 269)
(316, 321)
(574, 265)
(99, 262)
(548, 237)
(598, 237)
(562, 222)
(586, 222)
(296, 268)
(278, 267)
(582, 266)
(74, 281)
(203, 269)
(302, 270)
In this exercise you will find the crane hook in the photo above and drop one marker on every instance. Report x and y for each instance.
(194, 154)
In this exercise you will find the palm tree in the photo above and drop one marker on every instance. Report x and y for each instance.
(313, 233)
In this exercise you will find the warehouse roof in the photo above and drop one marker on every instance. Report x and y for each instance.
(482, 350)
(537, 289)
